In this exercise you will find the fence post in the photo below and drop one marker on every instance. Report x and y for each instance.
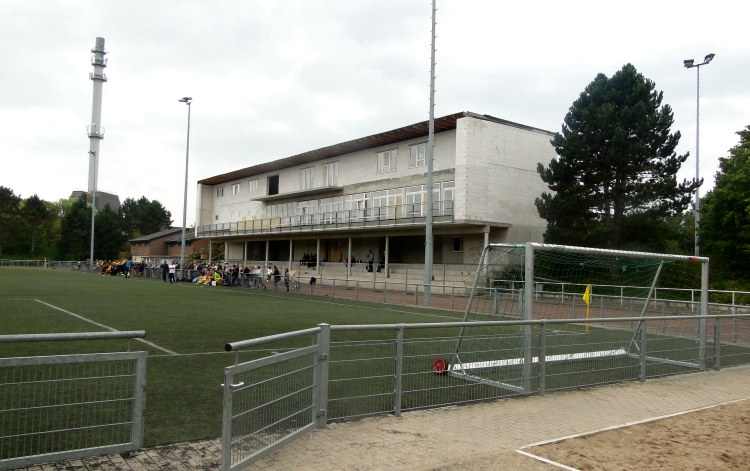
(398, 384)
(601, 306)
(574, 306)
(320, 401)
(416, 295)
(734, 320)
(717, 344)
(642, 353)
(226, 428)
(333, 288)
(356, 289)
(664, 313)
(453, 292)
(385, 291)
(542, 357)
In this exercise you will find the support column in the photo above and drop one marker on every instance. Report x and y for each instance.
(387, 246)
(209, 251)
(291, 253)
(349, 260)
(268, 243)
(317, 258)
(487, 236)
(245, 255)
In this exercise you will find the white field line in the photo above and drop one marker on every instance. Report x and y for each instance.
(549, 358)
(105, 327)
(251, 292)
(613, 427)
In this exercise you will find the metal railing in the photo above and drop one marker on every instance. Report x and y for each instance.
(354, 371)
(70, 406)
(41, 263)
(401, 214)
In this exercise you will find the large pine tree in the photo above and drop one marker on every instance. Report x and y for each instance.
(616, 160)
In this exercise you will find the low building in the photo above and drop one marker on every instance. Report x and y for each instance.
(369, 194)
(192, 245)
(154, 246)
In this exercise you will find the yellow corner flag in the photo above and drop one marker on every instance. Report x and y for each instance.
(587, 300)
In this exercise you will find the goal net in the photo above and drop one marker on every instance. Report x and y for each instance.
(542, 281)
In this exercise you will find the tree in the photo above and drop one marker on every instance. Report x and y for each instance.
(9, 215)
(724, 229)
(37, 217)
(143, 216)
(75, 231)
(616, 160)
(109, 240)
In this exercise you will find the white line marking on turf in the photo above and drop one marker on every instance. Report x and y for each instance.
(105, 326)
(613, 427)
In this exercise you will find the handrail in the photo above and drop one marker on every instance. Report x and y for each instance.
(126, 334)
(443, 325)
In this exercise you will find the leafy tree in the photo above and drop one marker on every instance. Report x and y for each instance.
(37, 217)
(143, 216)
(724, 229)
(75, 231)
(616, 161)
(10, 218)
(109, 239)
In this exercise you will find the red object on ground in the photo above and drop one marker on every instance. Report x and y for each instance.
(438, 366)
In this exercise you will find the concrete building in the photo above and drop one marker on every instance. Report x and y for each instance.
(369, 194)
(102, 199)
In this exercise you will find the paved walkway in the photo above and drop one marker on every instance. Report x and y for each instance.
(476, 437)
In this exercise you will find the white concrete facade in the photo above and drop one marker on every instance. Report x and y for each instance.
(489, 163)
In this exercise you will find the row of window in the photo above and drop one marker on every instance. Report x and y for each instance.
(387, 162)
(396, 202)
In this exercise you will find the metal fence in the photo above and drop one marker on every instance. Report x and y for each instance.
(70, 406)
(41, 263)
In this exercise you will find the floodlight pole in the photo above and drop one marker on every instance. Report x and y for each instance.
(187, 101)
(95, 130)
(428, 246)
(690, 64)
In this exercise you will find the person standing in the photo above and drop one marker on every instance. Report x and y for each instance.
(128, 265)
(172, 268)
(370, 259)
(286, 278)
(164, 270)
(276, 278)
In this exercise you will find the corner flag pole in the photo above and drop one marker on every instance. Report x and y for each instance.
(587, 300)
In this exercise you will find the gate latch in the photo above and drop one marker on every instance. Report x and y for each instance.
(234, 386)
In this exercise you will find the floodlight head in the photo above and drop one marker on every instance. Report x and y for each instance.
(688, 63)
(185, 100)
(709, 58)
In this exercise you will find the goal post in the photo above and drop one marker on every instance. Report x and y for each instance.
(544, 281)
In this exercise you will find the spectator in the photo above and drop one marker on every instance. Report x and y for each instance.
(172, 268)
(276, 278)
(286, 278)
(370, 259)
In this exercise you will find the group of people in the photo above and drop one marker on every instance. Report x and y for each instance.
(245, 276)
(311, 260)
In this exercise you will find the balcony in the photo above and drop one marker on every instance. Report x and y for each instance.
(378, 217)
(95, 131)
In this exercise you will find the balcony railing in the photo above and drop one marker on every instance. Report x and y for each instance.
(382, 216)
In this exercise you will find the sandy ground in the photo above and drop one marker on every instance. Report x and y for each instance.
(715, 439)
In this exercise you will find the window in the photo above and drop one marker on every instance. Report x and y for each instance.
(417, 155)
(235, 188)
(220, 192)
(306, 178)
(331, 174)
(449, 194)
(415, 197)
(216, 218)
(458, 244)
(231, 216)
(252, 185)
(273, 185)
(387, 161)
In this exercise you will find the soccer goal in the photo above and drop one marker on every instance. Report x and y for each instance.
(542, 281)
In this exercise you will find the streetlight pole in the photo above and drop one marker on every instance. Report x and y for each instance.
(187, 101)
(689, 63)
(428, 246)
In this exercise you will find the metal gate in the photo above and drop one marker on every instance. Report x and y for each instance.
(71, 406)
(271, 401)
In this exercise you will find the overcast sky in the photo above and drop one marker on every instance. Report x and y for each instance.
(273, 78)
